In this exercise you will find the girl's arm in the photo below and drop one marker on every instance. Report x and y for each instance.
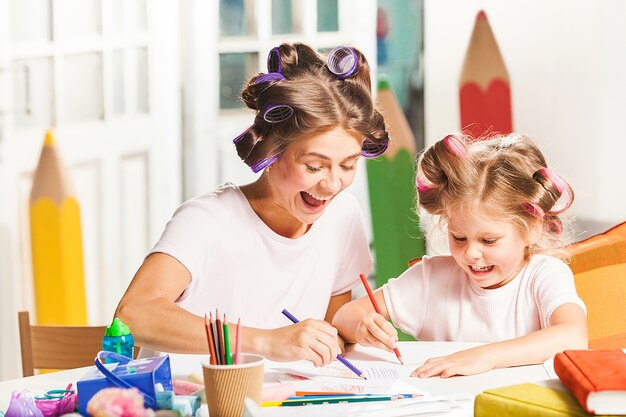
(156, 322)
(568, 330)
(357, 321)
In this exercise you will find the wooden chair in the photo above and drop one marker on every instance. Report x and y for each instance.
(599, 267)
(57, 347)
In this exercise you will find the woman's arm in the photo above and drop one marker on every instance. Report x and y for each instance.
(568, 330)
(156, 322)
(357, 321)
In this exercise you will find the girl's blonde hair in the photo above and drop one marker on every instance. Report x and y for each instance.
(506, 176)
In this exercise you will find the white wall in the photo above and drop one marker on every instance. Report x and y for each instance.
(567, 68)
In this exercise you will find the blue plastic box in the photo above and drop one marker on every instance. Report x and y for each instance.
(142, 374)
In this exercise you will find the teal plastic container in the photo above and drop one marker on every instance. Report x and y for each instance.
(117, 339)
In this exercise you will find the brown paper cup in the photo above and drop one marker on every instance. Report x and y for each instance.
(227, 386)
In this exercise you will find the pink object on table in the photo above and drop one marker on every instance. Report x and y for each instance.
(278, 392)
(182, 387)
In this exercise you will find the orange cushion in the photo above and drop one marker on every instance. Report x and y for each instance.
(599, 267)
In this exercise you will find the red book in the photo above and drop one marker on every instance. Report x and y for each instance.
(597, 378)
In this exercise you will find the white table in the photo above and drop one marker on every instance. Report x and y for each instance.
(413, 353)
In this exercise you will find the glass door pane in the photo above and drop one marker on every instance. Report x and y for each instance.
(327, 16)
(237, 18)
(235, 70)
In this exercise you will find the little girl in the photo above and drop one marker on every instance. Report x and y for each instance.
(503, 283)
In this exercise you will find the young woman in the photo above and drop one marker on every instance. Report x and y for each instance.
(290, 240)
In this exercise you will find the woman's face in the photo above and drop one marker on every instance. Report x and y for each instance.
(313, 170)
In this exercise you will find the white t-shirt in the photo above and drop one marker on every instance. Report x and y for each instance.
(435, 300)
(243, 268)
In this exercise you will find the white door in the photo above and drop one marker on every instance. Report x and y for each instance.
(228, 42)
(104, 74)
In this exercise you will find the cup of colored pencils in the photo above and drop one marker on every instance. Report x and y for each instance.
(229, 378)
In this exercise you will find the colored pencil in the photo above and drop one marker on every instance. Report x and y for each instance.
(216, 339)
(227, 358)
(214, 334)
(306, 393)
(484, 88)
(392, 193)
(209, 338)
(220, 338)
(56, 241)
(377, 309)
(339, 357)
(335, 400)
(350, 394)
(238, 343)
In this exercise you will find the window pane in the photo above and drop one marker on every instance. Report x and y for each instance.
(130, 81)
(327, 16)
(117, 75)
(82, 85)
(138, 60)
(128, 16)
(32, 92)
(282, 11)
(237, 18)
(80, 18)
(31, 20)
(235, 70)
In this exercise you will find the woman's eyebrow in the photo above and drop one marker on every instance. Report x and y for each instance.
(322, 156)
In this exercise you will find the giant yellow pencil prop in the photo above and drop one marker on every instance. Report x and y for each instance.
(56, 242)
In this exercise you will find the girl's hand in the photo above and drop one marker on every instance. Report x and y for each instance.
(374, 330)
(466, 362)
(313, 340)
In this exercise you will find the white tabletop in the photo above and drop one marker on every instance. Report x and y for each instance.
(414, 353)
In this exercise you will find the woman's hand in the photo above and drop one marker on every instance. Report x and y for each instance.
(374, 330)
(313, 340)
(466, 362)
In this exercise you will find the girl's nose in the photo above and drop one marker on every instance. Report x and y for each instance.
(473, 251)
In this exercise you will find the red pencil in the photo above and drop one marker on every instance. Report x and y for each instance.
(209, 336)
(373, 300)
(238, 342)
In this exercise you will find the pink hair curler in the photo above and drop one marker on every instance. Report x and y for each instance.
(534, 210)
(567, 196)
(422, 187)
(455, 145)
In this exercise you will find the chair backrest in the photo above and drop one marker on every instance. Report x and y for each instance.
(599, 267)
(57, 347)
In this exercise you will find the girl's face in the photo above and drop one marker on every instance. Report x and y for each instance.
(313, 170)
(491, 251)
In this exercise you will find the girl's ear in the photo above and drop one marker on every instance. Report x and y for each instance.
(534, 234)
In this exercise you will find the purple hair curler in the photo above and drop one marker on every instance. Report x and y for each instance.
(240, 136)
(269, 77)
(273, 61)
(342, 61)
(276, 113)
(263, 163)
(371, 149)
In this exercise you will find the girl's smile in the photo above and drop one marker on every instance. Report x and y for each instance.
(491, 251)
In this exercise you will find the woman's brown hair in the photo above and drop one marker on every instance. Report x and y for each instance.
(319, 99)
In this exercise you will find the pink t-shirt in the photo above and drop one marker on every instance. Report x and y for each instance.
(435, 300)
